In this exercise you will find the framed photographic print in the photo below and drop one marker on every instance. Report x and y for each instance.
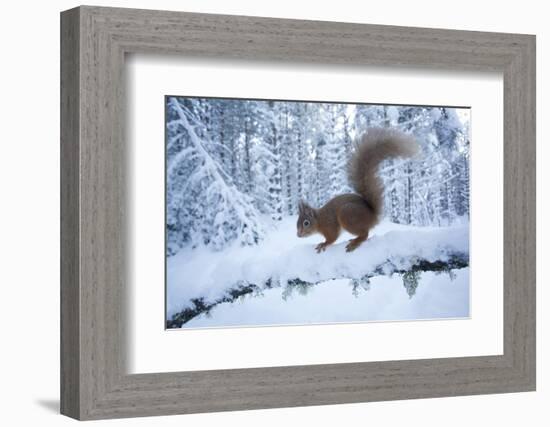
(303, 212)
(238, 174)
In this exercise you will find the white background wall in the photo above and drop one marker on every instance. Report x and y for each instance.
(29, 225)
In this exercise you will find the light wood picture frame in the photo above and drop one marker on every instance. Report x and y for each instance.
(94, 382)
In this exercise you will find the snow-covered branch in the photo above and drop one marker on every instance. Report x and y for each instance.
(446, 264)
(285, 262)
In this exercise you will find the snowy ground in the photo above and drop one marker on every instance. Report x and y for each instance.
(202, 273)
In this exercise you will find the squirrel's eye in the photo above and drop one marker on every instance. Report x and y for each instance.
(306, 223)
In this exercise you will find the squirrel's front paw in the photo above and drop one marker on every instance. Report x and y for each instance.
(321, 247)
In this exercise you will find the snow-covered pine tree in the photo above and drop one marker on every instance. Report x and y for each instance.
(264, 163)
(321, 175)
(288, 154)
(203, 205)
(273, 138)
(449, 132)
(335, 149)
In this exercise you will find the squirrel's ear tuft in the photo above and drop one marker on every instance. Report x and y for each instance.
(303, 207)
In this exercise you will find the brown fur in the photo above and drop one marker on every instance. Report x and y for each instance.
(356, 213)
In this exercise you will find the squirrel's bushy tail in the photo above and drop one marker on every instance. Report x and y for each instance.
(376, 145)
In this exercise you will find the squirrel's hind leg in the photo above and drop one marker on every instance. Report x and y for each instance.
(354, 243)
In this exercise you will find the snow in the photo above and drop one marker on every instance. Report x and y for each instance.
(204, 273)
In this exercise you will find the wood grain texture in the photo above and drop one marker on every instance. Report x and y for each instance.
(70, 292)
(94, 267)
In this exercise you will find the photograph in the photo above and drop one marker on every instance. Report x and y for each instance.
(283, 212)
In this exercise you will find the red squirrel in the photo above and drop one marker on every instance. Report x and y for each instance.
(357, 212)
